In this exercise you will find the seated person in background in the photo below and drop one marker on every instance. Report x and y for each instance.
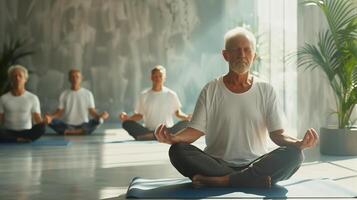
(156, 105)
(74, 105)
(237, 113)
(18, 108)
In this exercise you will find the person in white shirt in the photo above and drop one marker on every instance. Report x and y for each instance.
(156, 105)
(18, 108)
(237, 113)
(75, 105)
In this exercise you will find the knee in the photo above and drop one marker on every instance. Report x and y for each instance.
(176, 150)
(295, 155)
(126, 124)
(56, 122)
(40, 127)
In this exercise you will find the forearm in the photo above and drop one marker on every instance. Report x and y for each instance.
(285, 140)
(135, 117)
(56, 114)
(187, 135)
(181, 115)
(1, 118)
(37, 118)
(93, 113)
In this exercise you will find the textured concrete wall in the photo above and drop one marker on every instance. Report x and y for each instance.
(116, 42)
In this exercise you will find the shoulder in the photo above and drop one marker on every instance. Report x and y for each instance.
(263, 84)
(85, 90)
(30, 95)
(65, 92)
(169, 91)
(265, 89)
(5, 96)
(27, 93)
(145, 92)
(213, 84)
(83, 93)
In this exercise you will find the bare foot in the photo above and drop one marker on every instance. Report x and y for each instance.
(74, 132)
(22, 140)
(147, 136)
(217, 181)
(223, 181)
(259, 182)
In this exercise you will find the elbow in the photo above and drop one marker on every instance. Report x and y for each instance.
(275, 139)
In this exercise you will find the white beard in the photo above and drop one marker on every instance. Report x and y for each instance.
(239, 67)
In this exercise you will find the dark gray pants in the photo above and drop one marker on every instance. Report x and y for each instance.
(279, 164)
(32, 134)
(135, 129)
(60, 126)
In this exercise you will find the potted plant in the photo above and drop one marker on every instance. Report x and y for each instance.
(12, 51)
(335, 54)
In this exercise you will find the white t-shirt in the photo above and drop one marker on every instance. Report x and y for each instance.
(157, 107)
(236, 126)
(18, 110)
(76, 105)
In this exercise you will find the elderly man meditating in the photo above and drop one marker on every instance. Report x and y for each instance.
(237, 113)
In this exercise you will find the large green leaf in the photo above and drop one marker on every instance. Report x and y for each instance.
(336, 53)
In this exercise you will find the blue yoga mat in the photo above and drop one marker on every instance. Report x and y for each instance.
(135, 141)
(181, 188)
(52, 142)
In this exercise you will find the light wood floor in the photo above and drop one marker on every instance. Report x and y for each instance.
(101, 166)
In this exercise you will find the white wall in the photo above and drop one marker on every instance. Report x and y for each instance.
(316, 100)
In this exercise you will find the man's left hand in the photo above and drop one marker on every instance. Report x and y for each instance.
(310, 139)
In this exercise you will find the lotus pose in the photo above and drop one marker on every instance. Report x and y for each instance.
(156, 105)
(18, 108)
(237, 113)
(75, 104)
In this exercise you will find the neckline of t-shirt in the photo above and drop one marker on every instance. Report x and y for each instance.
(75, 90)
(244, 93)
(157, 92)
(18, 95)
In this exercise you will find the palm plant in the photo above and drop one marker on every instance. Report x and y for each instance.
(12, 51)
(336, 54)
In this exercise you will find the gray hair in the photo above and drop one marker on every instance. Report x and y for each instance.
(240, 31)
(20, 67)
(160, 69)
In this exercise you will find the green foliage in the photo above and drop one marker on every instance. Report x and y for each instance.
(336, 54)
(11, 53)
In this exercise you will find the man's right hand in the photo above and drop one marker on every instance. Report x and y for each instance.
(123, 116)
(47, 119)
(162, 134)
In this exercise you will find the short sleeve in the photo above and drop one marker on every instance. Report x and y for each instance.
(90, 100)
(139, 106)
(274, 114)
(176, 102)
(36, 108)
(1, 105)
(61, 100)
(199, 117)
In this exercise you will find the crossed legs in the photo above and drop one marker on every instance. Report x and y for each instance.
(204, 169)
(22, 136)
(139, 132)
(65, 129)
